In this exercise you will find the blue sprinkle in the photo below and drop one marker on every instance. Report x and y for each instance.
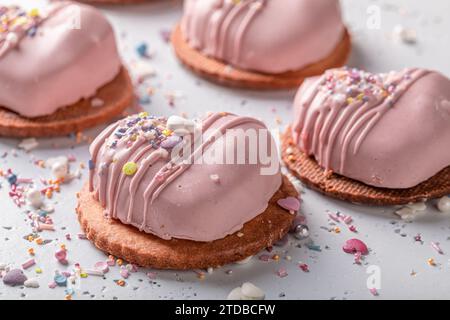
(60, 280)
(91, 165)
(313, 247)
(12, 179)
(42, 213)
(142, 50)
(144, 99)
(32, 31)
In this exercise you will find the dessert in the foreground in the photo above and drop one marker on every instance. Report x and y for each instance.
(60, 71)
(112, 1)
(372, 138)
(161, 193)
(261, 44)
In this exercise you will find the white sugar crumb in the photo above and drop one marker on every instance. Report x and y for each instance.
(248, 291)
(28, 144)
(405, 35)
(411, 211)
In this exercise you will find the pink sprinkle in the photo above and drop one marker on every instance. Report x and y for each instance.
(101, 266)
(373, 291)
(28, 264)
(61, 256)
(68, 237)
(111, 262)
(358, 257)
(333, 217)
(352, 228)
(348, 219)
(289, 203)
(436, 247)
(282, 273)
(124, 273)
(264, 257)
(81, 236)
(354, 246)
(52, 285)
(151, 275)
(304, 267)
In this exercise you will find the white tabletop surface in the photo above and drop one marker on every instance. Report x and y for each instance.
(401, 262)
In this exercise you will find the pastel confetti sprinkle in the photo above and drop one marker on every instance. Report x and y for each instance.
(130, 168)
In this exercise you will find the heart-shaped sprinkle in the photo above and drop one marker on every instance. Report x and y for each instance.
(289, 203)
(355, 246)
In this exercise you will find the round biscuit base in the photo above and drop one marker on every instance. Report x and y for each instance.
(312, 175)
(117, 95)
(147, 250)
(219, 72)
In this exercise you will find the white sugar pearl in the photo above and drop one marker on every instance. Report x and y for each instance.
(252, 292)
(60, 170)
(444, 204)
(235, 294)
(34, 198)
(12, 38)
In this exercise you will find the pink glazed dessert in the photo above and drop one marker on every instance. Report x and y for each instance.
(267, 36)
(54, 58)
(44, 58)
(138, 180)
(386, 130)
(261, 44)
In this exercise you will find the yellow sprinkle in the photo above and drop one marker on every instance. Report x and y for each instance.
(34, 12)
(166, 132)
(30, 238)
(349, 100)
(130, 168)
(360, 96)
(38, 270)
(143, 114)
(83, 275)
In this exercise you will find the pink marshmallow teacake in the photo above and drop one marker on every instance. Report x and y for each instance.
(267, 36)
(386, 130)
(139, 179)
(52, 59)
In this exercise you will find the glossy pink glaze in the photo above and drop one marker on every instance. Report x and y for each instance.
(268, 36)
(59, 65)
(391, 133)
(171, 199)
